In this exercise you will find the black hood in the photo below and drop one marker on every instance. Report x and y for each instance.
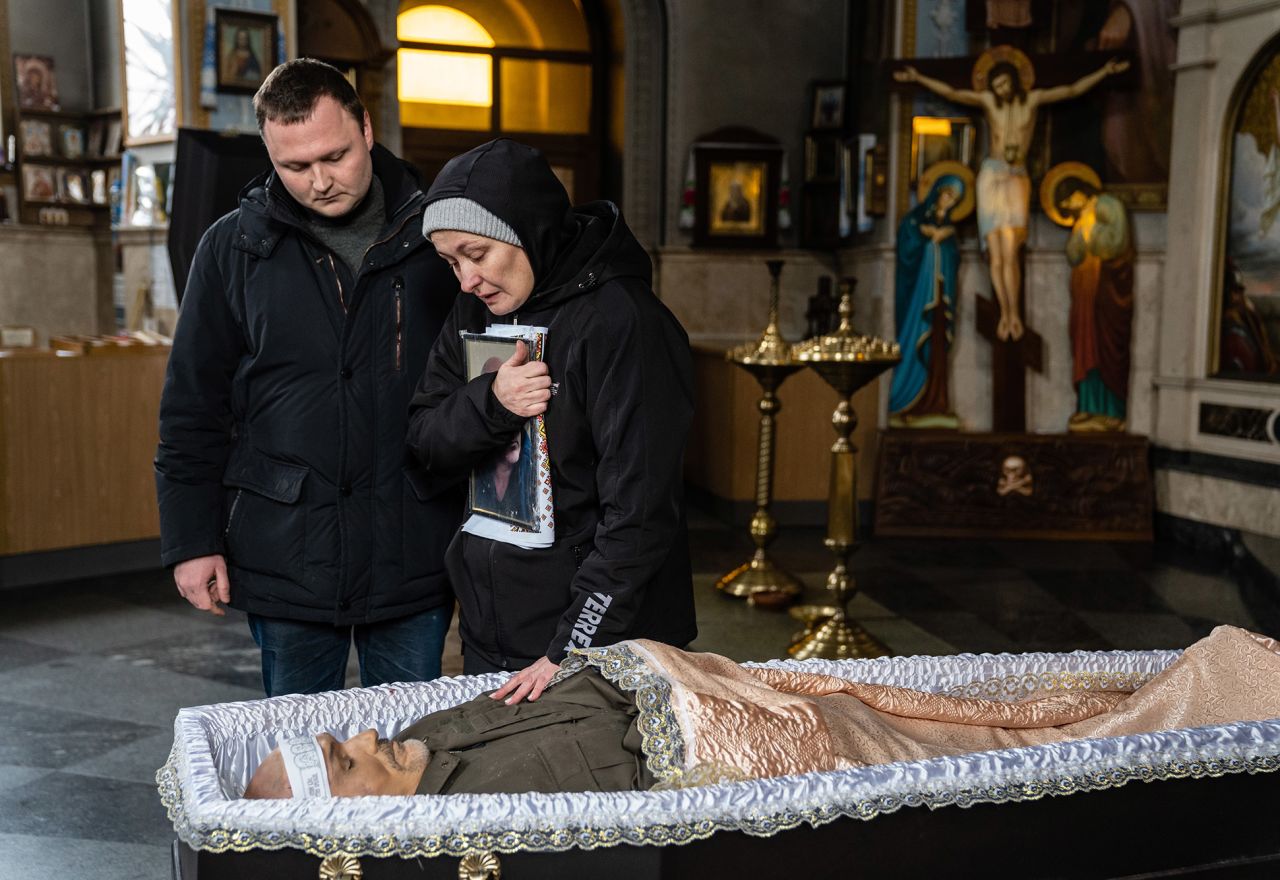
(572, 250)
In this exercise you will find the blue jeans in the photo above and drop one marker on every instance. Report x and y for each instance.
(300, 657)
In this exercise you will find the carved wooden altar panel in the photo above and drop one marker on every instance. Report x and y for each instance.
(1084, 487)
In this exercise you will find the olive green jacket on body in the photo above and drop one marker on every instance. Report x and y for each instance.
(580, 735)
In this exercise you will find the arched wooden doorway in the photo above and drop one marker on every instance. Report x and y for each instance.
(342, 33)
(534, 70)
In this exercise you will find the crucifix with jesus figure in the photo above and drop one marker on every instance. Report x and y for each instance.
(1003, 87)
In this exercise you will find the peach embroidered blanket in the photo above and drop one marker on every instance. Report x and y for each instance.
(770, 722)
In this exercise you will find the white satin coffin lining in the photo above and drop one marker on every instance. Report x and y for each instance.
(217, 747)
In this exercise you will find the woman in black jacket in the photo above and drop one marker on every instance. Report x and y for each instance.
(615, 389)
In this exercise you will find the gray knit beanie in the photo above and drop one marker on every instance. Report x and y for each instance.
(464, 215)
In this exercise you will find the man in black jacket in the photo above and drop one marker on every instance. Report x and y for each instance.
(616, 426)
(284, 485)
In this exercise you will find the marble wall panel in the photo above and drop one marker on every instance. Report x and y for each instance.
(1227, 503)
(55, 279)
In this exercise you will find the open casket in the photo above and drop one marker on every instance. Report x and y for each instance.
(1195, 801)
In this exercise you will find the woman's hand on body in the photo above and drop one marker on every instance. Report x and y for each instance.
(528, 683)
(521, 385)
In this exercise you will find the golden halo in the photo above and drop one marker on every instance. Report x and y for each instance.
(996, 54)
(941, 169)
(1057, 174)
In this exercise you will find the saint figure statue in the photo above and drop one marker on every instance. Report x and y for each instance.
(925, 298)
(1002, 87)
(1100, 251)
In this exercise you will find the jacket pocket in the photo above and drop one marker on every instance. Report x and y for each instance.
(427, 529)
(266, 526)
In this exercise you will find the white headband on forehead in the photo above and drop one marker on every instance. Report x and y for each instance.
(304, 762)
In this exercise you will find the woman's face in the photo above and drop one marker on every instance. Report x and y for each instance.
(947, 197)
(496, 272)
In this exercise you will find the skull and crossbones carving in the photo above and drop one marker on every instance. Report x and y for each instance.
(1015, 476)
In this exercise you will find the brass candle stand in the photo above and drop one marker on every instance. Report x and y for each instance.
(769, 360)
(847, 361)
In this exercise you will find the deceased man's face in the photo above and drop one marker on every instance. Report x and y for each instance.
(362, 765)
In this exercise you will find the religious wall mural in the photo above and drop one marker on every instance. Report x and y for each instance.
(1124, 133)
(1003, 91)
(1247, 326)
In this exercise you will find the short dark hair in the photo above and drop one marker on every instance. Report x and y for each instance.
(1008, 69)
(289, 93)
(1069, 186)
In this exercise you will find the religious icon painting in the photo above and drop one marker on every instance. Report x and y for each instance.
(1246, 336)
(246, 49)
(38, 184)
(71, 141)
(736, 193)
(36, 84)
(35, 137)
(74, 186)
(827, 106)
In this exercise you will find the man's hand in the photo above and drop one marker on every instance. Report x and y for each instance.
(527, 683)
(1116, 65)
(203, 582)
(523, 386)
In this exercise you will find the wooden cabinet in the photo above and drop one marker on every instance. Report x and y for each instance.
(720, 460)
(77, 439)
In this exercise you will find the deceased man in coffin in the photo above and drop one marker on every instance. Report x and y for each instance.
(641, 743)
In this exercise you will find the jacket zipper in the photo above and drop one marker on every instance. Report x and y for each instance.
(235, 502)
(398, 286)
(397, 231)
(342, 300)
(493, 606)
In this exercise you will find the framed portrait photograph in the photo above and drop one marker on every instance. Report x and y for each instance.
(71, 141)
(35, 82)
(737, 195)
(246, 48)
(505, 485)
(827, 106)
(35, 138)
(39, 184)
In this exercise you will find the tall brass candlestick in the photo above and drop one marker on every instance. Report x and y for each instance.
(847, 361)
(769, 361)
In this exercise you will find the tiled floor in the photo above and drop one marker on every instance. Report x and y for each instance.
(93, 672)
